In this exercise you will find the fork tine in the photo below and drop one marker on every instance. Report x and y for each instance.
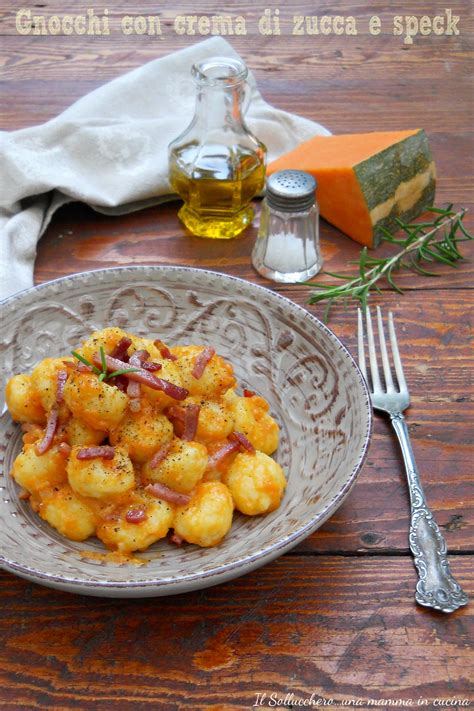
(360, 343)
(383, 351)
(402, 384)
(374, 369)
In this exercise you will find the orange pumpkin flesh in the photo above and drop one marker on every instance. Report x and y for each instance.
(366, 180)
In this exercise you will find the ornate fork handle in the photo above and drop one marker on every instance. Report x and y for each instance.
(436, 586)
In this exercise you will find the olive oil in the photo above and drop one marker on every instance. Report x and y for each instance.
(217, 165)
(216, 183)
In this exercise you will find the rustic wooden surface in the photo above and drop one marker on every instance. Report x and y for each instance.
(336, 617)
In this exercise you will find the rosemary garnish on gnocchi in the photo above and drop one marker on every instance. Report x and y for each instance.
(103, 374)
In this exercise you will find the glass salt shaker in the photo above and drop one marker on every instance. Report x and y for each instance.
(287, 245)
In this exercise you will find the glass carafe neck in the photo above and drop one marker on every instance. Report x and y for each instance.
(220, 84)
(216, 108)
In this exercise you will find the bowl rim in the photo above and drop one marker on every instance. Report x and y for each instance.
(263, 554)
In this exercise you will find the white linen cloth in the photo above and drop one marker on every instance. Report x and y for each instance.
(109, 150)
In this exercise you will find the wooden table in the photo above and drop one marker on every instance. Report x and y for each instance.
(336, 617)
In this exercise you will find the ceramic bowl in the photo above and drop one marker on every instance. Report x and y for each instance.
(314, 388)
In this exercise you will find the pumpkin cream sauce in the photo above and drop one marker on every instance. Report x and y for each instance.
(114, 557)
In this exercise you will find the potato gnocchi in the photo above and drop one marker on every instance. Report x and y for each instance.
(132, 440)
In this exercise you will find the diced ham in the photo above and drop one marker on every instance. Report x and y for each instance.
(201, 361)
(61, 382)
(190, 422)
(242, 440)
(83, 368)
(185, 420)
(135, 516)
(120, 350)
(51, 425)
(142, 376)
(140, 359)
(218, 456)
(137, 358)
(160, 455)
(176, 412)
(164, 350)
(120, 382)
(133, 388)
(176, 539)
(100, 452)
(151, 366)
(161, 491)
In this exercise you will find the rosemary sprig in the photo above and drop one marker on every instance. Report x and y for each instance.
(103, 374)
(424, 242)
(86, 362)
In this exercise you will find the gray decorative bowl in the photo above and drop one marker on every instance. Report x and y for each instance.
(314, 388)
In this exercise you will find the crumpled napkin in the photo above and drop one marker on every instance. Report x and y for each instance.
(109, 150)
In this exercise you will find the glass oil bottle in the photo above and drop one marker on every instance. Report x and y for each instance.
(217, 165)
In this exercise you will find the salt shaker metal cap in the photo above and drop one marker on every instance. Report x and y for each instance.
(287, 245)
(291, 190)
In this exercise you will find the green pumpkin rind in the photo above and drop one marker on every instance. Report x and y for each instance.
(389, 223)
(381, 175)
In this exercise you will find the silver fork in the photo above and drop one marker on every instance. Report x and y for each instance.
(436, 586)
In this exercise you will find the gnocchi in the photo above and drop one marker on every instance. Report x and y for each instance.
(43, 380)
(216, 379)
(183, 467)
(129, 440)
(208, 516)
(35, 472)
(142, 432)
(68, 514)
(251, 417)
(100, 405)
(100, 477)
(125, 535)
(256, 483)
(23, 401)
(79, 432)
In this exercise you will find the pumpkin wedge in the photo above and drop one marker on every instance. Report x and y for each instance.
(366, 180)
